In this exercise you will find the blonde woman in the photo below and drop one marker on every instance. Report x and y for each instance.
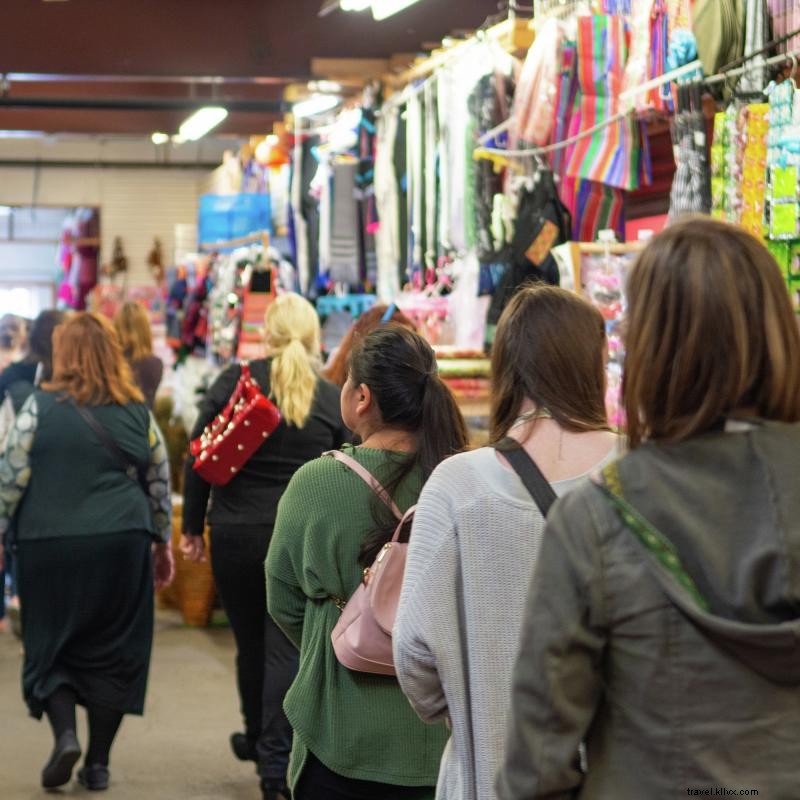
(242, 516)
(133, 328)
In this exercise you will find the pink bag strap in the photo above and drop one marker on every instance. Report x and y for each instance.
(403, 520)
(368, 478)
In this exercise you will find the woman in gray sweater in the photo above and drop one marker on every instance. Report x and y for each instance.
(477, 530)
(663, 625)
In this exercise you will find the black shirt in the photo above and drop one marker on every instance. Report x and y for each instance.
(251, 498)
(18, 380)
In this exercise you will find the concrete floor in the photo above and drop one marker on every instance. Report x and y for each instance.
(177, 751)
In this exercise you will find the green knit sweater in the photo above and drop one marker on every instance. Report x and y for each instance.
(360, 726)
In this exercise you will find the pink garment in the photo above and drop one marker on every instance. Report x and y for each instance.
(637, 68)
(534, 111)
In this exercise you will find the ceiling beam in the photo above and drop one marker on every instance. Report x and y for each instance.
(145, 104)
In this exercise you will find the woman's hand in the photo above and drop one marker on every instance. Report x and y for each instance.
(193, 548)
(163, 565)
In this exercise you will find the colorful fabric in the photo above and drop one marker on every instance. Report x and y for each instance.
(598, 207)
(754, 168)
(679, 13)
(639, 67)
(612, 154)
(534, 111)
(691, 186)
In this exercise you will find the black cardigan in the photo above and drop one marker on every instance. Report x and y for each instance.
(251, 498)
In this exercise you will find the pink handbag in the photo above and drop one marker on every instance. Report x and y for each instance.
(362, 638)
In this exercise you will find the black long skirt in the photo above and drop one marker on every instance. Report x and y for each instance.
(87, 619)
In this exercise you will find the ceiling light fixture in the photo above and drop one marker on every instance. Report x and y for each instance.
(381, 9)
(159, 138)
(316, 104)
(201, 122)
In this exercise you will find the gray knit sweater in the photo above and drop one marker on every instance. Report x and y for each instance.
(473, 547)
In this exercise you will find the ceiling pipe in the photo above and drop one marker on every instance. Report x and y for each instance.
(146, 104)
(128, 165)
(218, 80)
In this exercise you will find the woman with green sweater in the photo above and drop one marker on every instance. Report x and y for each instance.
(356, 736)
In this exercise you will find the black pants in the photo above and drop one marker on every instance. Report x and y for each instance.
(266, 661)
(317, 782)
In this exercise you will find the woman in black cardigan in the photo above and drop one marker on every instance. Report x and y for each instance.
(241, 517)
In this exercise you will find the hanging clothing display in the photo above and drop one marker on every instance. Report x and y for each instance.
(718, 26)
(612, 154)
(543, 222)
(691, 186)
(387, 199)
(344, 225)
(490, 104)
(533, 116)
(415, 145)
(431, 133)
(755, 38)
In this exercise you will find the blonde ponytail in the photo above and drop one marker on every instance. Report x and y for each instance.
(293, 337)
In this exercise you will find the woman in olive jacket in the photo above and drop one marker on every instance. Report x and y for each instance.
(663, 625)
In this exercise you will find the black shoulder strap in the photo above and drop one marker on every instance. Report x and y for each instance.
(129, 466)
(530, 474)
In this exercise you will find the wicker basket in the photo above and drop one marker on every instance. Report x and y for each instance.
(193, 590)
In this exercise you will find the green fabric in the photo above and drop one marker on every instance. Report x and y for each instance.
(360, 726)
(661, 548)
(719, 29)
(76, 487)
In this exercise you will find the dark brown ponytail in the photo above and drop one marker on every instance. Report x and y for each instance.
(399, 367)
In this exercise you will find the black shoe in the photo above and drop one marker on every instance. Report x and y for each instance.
(94, 777)
(58, 769)
(272, 790)
(243, 747)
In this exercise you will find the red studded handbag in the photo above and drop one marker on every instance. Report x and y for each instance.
(228, 442)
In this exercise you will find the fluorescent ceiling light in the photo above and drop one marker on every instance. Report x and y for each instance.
(159, 138)
(316, 104)
(201, 122)
(355, 5)
(381, 9)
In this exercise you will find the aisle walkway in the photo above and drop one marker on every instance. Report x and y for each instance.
(177, 751)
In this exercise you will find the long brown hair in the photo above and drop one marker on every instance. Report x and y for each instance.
(88, 363)
(133, 328)
(336, 371)
(710, 331)
(549, 349)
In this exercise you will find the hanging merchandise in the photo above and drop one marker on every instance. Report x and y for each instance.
(756, 36)
(647, 23)
(430, 244)
(783, 161)
(344, 226)
(754, 168)
(679, 16)
(543, 221)
(691, 186)
(597, 208)
(490, 103)
(415, 144)
(365, 193)
(612, 154)
(387, 200)
(535, 101)
(718, 26)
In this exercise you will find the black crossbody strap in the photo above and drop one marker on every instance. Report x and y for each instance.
(129, 466)
(529, 473)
